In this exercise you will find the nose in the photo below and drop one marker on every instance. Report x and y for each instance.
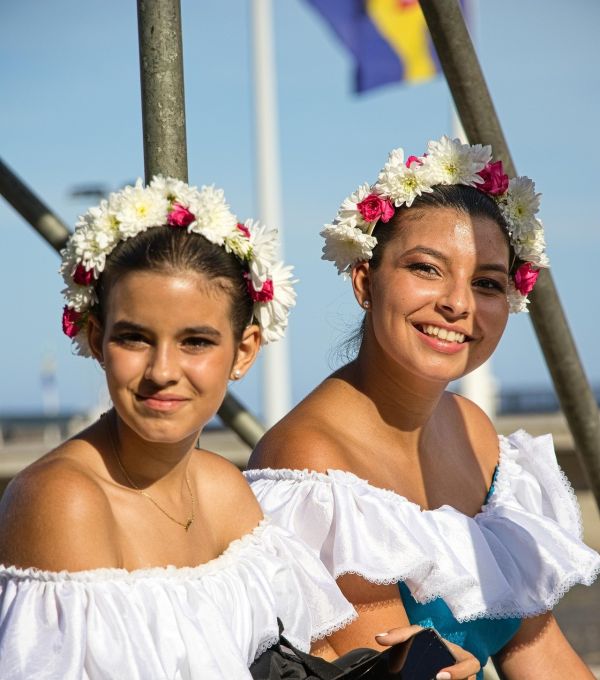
(163, 366)
(456, 300)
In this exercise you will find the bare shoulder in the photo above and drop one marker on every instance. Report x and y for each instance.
(226, 497)
(55, 516)
(479, 428)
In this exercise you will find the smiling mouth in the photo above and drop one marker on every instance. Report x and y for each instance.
(443, 334)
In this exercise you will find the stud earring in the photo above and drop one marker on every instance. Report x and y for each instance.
(237, 374)
(366, 304)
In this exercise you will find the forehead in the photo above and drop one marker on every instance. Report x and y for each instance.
(452, 232)
(164, 298)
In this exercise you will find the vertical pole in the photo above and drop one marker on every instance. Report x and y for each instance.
(165, 149)
(276, 383)
(480, 121)
(163, 103)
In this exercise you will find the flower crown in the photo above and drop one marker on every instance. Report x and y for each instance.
(167, 201)
(349, 239)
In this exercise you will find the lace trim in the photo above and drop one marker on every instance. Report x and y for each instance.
(226, 559)
(330, 628)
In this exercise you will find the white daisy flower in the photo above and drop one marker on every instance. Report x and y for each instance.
(80, 298)
(349, 214)
(140, 207)
(531, 247)
(402, 184)
(214, 220)
(174, 190)
(516, 302)
(520, 206)
(273, 315)
(449, 162)
(346, 245)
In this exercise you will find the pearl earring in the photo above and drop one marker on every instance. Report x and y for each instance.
(366, 304)
(237, 374)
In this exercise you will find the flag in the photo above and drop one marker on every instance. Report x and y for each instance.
(388, 39)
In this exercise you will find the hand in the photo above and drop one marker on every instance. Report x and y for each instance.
(467, 665)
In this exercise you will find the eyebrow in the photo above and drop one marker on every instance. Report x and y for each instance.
(125, 325)
(491, 266)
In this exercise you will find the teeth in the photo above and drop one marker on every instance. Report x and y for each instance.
(443, 334)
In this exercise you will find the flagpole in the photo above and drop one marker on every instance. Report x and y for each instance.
(276, 374)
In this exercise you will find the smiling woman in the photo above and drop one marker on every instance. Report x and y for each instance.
(417, 508)
(127, 551)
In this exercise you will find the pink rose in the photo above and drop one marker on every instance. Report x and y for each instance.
(413, 159)
(373, 207)
(71, 321)
(180, 216)
(82, 276)
(244, 229)
(265, 294)
(495, 182)
(525, 278)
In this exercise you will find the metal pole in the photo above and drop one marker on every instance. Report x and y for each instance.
(29, 206)
(277, 397)
(480, 121)
(165, 150)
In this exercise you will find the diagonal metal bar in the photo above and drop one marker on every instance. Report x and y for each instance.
(165, 151)
(29, 206)
(481, 124)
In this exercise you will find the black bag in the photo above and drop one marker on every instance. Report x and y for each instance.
(283, 661)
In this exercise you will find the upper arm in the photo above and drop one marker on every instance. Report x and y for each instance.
(540, 650)
(379, 609)
(55, 518)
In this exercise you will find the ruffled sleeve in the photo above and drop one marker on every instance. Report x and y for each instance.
(209, 621)
(516, 558)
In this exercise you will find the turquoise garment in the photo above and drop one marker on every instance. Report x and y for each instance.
(482, 637)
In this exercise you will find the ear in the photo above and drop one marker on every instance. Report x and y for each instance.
(247, 350)
(95, 334)
(361, 283)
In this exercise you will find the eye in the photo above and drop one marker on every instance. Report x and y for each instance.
(424, 269)
(197, 342)
(490, 284)
(131, 339)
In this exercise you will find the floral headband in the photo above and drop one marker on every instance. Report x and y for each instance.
(167, 201)
(349, 239)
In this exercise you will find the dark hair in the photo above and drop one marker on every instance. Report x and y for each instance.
(169, 249)
(467, 200)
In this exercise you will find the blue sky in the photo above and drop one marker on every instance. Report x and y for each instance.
(70, 114)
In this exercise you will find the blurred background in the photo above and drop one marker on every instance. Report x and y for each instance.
(70, 127)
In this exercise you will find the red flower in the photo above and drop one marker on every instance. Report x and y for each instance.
(525, 278)
(373, 207)
(265, 294)
(71, 321)
(495, 182)
(244, 229)
(180, 216)
(82, 276)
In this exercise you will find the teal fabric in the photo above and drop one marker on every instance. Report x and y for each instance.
(482, 637)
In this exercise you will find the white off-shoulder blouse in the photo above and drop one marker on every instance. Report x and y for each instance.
(515, 558)
(209, 621)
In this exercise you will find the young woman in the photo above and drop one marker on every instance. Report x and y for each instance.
(128, 552)
(417, 508)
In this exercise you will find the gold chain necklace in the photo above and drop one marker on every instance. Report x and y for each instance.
(188, 523)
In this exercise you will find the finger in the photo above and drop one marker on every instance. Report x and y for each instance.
(396, 635)
(460, 671)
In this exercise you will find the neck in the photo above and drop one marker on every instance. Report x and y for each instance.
(149, 462)
(403, 401)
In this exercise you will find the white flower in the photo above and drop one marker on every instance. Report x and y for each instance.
(531, 247)
(174, 190)
(349, 214)
(264, 242)
(140, 207)
(273, 315)
(520, 207)
(401, 184)
(516, 301)
(80, 298)
(449, 162)
(214, 220)
(346, 245)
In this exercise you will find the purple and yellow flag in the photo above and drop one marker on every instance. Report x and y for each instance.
(388, 39)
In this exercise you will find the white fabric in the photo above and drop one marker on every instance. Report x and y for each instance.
(167, 623)
(516, 558)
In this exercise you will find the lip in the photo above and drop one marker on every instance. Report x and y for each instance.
(163, 402)
(439, 345)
